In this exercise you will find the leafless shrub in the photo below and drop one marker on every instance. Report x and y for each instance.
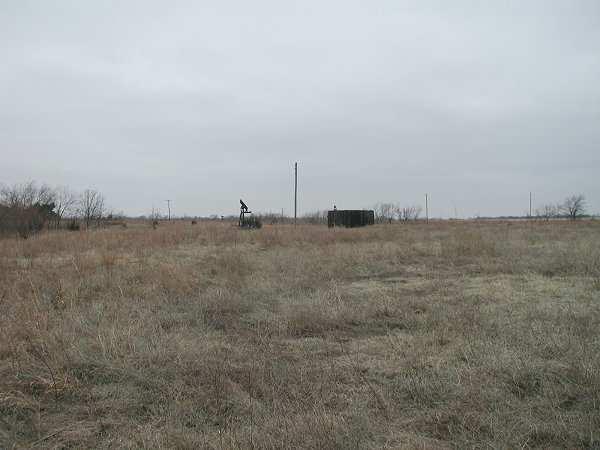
(153, 218)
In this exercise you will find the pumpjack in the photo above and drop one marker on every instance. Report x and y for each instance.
(243, 212)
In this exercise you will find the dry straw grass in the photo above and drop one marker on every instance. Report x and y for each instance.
(439, 336)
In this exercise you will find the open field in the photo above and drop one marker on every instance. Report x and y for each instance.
(205, 336)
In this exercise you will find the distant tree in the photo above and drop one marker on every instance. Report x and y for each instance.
(547, 211)
(91, 207)
(109, 213)
(315, 217)
(384, 212)
(26, 194)
(153, 217)
(416, 212)
(408, 213)
(25, 208)
(65, 200)
(271, 217)
(574, 206)
(404, 213)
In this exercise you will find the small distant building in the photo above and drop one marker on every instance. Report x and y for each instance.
(350, 218)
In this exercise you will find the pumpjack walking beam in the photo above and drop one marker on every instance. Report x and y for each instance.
(243, 212)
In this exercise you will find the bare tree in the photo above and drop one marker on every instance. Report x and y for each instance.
(547, 211)
(100, 210)
(91, 207)
(408, 213)
(19, 195)
(384, 212)
(153, 217)
(574, 206)
(405, 213)
(416, 212)
(45, 195)
(65, 199)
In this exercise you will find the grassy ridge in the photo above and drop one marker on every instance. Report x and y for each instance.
(206, 336)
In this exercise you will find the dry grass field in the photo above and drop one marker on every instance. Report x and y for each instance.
(447, 335)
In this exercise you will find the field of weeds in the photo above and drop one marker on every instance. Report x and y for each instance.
(448, 335)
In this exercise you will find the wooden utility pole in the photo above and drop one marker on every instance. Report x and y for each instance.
(295, 192)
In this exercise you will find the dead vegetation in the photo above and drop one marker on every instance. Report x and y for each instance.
(441, 335)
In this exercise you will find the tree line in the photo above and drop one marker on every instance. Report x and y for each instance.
(390, 212)
(572, 208)
(27, 208)
(384, 212)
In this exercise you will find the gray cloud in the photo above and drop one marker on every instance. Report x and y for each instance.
(477, 103)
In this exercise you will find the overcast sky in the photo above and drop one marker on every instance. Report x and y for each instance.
(477, 103)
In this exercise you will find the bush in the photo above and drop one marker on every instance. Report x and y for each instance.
(24, 220)
(252, 222)
(73, 225)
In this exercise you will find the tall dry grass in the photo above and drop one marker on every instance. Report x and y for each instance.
(207, 336)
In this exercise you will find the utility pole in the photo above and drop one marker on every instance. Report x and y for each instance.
(169, 207)
(426, 210)
(455, 213)
(530, 206)
(295, 192)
